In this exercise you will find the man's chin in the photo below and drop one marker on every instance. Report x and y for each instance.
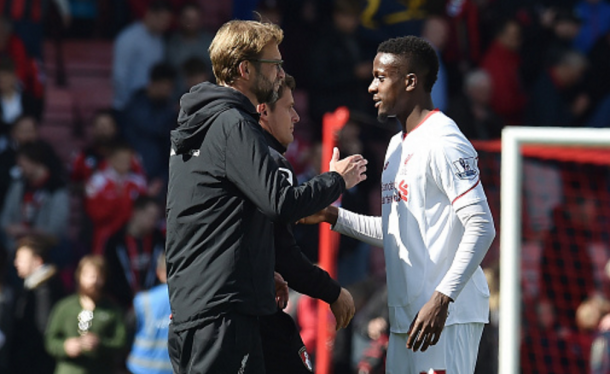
(382, 117)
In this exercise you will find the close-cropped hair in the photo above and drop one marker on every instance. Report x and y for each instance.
(421, 57)
(237, 41)
(288, 83)
(39, 245)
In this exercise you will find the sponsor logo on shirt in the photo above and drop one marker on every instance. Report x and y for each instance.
(432, 371)
(466, 168)
(393, 194)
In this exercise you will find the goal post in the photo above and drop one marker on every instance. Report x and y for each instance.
(513, 138)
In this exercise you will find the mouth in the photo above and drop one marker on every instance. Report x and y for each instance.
(377, 102)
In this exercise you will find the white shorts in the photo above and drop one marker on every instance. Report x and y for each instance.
(455, 353)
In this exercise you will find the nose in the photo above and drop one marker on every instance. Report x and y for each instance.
(373, 86)
(281, 74)
(295, 116)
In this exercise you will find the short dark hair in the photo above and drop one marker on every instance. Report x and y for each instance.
(421, 55)
(194, 66)
(118, 145)
(290, 83)
(162, 71)
(143, 201)
(190, 5)
(157, 6)
(38, 244)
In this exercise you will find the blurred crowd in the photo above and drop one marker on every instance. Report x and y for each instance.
(503, 63)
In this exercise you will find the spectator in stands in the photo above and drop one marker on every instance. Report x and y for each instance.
(502, 62)
(92, 158)
(371, 331)
(137, 49)
(42, 288)
(566, 267)
(37, 202)
(148, 119)
(110, 194)
(86, 333)
(436, 32)
(339, 70)
(131, 253)
(24, 130)
(190, 40)
(565, 28)
(471, 109)
(13, 101)
(550, 103)
(149, 354)
(588, 317)
(545, 344)
(27, 69)
(194, 71)
(595, 15)
(28, 19)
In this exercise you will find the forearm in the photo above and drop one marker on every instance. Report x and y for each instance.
(478, 234)
(367, 229)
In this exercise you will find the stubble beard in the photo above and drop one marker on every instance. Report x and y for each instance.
(265, 90)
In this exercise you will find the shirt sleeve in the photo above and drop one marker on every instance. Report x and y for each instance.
(479, 232)
(367, 229)
(251, 168)
(454, 168)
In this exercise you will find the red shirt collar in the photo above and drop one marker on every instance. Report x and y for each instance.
(435, 110)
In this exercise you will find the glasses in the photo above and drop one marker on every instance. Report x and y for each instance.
(277, 63)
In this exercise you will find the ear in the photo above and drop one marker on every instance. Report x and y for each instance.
(410, 82)
(262, 110)
(244, 69)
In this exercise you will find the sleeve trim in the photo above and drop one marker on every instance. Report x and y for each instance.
(470, 189)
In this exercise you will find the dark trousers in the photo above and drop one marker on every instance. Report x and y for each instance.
(230, 344)
(283, 348)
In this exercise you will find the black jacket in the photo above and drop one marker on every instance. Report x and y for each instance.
(224, 191)
(32, 310)
(296, 269)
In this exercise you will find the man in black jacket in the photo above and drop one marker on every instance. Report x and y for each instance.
(224, 192)
(42, 288)
(283, 349)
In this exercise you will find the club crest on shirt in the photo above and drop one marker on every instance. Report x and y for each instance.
(466, 168)
(305, 358)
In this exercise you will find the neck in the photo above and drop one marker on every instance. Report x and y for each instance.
(88, 301)
(417, 114)
(241, 86)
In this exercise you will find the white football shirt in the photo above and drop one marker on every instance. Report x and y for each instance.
(428, 175)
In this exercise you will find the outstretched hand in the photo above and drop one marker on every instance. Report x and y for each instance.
(343, 309)
(351, 168)
(328, 214)
(428, 324)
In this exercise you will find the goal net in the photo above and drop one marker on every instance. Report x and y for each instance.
(549, 191)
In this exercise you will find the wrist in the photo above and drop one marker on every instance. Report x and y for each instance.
(441, 299)
(331, 215)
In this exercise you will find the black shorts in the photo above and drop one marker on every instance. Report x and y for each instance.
(283, 348)
(230, 344)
